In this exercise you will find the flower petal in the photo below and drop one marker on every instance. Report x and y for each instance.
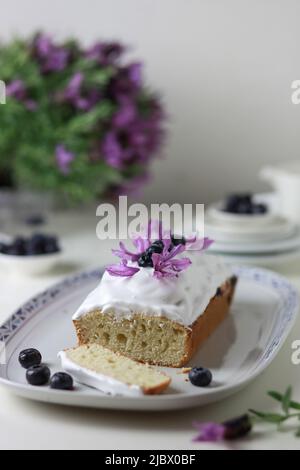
(209, 432)
(122, 270)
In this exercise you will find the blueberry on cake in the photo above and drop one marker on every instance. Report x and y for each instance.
(160, 303)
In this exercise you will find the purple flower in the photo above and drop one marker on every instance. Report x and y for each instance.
(230, 430)
(17, 90)
(105, 53)
(165, 264)
(126, 113)
(122, 270)
(52, 58)
(64, 159)
(134, 72)
(112, 150)
(74, 87)
(198, 244)
(133, 187)
(209, 432)
(75, 95)
(43, 45)
(128, 81)
(141, 245)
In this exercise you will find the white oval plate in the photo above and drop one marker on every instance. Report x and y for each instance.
(263, 313)
(280, 246)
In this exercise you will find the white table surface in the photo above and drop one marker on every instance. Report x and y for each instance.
(30, 425)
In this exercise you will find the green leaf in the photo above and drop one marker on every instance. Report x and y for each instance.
(279, 397)
(269, 417)
(286, 400)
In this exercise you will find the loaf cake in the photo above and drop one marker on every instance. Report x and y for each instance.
(159, 305)
(112, 373)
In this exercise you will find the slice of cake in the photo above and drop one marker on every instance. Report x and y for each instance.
(160, 304)
(110, 372)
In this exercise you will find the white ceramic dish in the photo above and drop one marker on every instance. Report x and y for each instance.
(270, 261)
(30, 265)
(256, 247)
(248, 233)
(238, 351)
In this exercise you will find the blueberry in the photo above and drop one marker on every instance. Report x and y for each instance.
(145, 261)
(200, 377)
(38, 375)
(244, 208)
(51, 245)
(238, 203)
(36, 245)
(18, 247)
(35, 220)
(259, 209)
(156, 247)
(61, 381)
(29, 358)
(3, 248)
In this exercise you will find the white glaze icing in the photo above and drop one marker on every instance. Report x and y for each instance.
(180, 299)
(104, 383)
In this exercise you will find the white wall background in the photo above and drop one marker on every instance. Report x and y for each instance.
(225, 69)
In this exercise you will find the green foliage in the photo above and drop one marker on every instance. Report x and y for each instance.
(29, 137)
(287, 404)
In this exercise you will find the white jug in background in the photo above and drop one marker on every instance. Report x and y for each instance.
(285, 179)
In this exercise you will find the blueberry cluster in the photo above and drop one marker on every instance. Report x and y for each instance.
(244, 204)
(38, 374)
(38, 244)
(145, 260)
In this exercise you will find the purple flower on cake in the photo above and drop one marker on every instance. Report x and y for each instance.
(64, 159)
(158, 250)
(165, 264)
(122, 270)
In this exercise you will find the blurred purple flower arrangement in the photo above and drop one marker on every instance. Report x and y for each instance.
(77, 121)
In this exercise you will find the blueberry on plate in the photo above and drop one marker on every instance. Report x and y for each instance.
(61, 381)
(38, 375)
(200, 377)
(29, 358)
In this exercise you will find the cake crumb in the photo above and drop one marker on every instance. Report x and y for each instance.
(185, 370)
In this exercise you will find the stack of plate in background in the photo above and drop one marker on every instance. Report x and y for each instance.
(261, 239)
